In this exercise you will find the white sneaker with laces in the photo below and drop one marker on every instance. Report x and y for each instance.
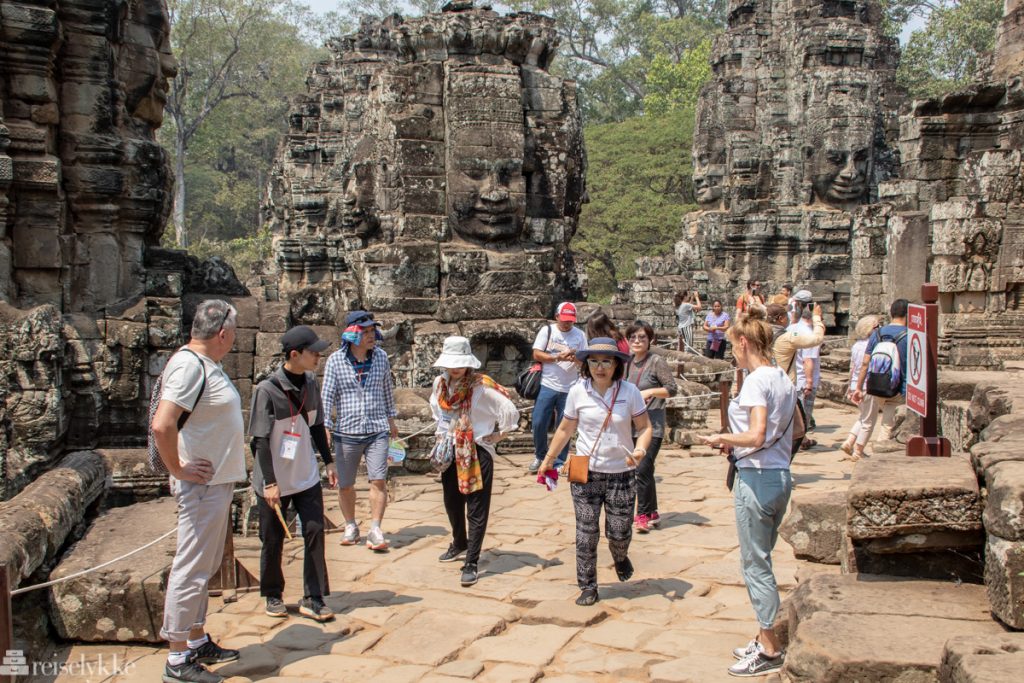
(757, 664)
(351, 535)
(375, 540)
(744, 652)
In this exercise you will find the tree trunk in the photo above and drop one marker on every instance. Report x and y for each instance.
(180, 233)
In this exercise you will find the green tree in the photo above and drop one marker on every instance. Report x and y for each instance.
(947, 52)
(238, 62)
(638, 179)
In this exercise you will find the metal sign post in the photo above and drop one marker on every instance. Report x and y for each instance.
(922, 374)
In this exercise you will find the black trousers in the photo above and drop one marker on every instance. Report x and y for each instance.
(646, 494)
(475, 506)
(617, 494)
(720, 353)
(309, 505)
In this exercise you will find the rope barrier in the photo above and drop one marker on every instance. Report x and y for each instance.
(47, 584)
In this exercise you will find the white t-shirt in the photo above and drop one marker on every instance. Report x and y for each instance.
(685, 315)
(214, 431)
(768, 387)
(813, 353)
(559, 376)
(587, 406)
(489, 411)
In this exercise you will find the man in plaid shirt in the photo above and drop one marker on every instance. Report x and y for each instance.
(359, 410)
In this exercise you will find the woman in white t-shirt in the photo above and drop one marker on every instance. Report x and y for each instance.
(761, 421)
(602, 410)
(865, 326)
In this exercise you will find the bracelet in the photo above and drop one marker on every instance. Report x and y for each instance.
(641, 448)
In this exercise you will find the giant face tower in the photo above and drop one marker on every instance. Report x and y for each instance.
(434, 171)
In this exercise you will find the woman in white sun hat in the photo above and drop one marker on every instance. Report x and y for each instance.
(477, 412)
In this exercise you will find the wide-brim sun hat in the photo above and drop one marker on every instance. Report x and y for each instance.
(456, 352)
(602, 346)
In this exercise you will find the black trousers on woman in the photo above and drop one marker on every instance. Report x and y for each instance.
(476, 507)
(646, 494)
(617, 494)
(309, 504)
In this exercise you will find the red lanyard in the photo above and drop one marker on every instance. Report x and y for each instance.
(291, 407)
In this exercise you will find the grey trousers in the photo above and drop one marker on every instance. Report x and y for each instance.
(761, 499)
(203, 513)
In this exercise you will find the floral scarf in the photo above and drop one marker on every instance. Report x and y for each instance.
(457, 398)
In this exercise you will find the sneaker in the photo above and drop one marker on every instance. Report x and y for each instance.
(452, 554)
(375, 540)
(654, 520)
(744, 652)
(534, 466)
(469, 574)
(757, 664)
(588, 597)
(275, 608)
(190, 671)
(351, 535)
(846, 447)
(212, 653)
(624, 569)
(315, 609)
(642, 523)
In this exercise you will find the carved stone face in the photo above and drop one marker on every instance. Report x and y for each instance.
(486, 145)
(146, 64)
(839, 166)
(708, 171)
(356, 214)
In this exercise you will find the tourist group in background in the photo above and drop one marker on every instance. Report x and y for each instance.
(604, 388)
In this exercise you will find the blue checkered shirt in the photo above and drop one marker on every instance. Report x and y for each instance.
(354, 408)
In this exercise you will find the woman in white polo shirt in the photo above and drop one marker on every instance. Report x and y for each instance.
(603, 410)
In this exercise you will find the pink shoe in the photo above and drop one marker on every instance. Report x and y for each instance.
(654, 520)
(641, 524)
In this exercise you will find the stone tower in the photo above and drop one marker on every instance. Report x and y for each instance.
(433, 172)
(791, 137)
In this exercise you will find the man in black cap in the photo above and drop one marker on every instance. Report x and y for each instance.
(286, 425)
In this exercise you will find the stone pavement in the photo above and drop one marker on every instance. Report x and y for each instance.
(402, 616)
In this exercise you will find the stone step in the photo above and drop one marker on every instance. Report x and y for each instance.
(982, 659)
(848, 628)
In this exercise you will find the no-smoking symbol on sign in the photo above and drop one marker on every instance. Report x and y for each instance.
(916, 359)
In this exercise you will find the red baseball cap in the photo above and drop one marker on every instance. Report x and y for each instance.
(566, 312)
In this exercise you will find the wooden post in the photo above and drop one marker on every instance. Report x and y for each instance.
(725, 390)
(6, 619)
(232, 577)
(929, 442)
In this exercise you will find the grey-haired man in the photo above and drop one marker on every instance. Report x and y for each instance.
(205, 458)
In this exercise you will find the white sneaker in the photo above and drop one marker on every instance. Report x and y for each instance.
(351, 536)
(375, 540)
(752, 647)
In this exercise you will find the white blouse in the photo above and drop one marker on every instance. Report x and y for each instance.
(488, 409)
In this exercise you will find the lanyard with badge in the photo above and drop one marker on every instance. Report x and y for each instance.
(608, 439)
(291, 439)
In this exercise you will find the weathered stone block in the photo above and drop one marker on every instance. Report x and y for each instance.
(1004, 579)
(814, 526)
(123, 602)
(982, 659)
(1004, 504)
(274, 316)
(895, 495)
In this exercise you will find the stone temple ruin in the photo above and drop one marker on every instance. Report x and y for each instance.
(433, 173)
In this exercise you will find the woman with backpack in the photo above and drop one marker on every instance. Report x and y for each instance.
(865, 326)
(762, 420)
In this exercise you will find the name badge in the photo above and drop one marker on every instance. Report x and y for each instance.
(609, 441)
(289, 445)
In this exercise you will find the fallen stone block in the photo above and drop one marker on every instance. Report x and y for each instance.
(131, 479)
(988, 453)
(897, 495)
(1010, 426)
(1004, 579)
(122, 602)
(35, 524)
(982, 659)
(1004, 505)
(814, 526)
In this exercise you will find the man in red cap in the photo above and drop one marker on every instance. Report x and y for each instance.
(555, 348)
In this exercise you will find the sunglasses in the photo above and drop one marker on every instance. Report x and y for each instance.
(600, 362)
(638, 338)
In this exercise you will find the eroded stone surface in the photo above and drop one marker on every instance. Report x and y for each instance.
(1004, 579)
(814, 526)
(982, 659)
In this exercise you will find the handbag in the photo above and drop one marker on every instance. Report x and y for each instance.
(716, 344)
(528, 382)
(443, 453)
(799, 424)
(577, 467)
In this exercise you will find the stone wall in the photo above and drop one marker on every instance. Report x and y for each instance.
(433, 173)
(792, 136)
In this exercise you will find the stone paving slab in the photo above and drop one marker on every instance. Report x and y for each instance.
(402, 616)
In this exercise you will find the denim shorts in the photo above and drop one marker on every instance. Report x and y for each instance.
(349, 448)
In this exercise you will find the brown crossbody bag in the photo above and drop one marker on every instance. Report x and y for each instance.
(577, 467)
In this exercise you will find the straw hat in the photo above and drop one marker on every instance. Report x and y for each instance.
(457, 353)
(604, 346)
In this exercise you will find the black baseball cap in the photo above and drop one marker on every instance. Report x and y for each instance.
(300, 338)
(360, 318)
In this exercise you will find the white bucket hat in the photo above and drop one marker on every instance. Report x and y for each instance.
(457, 353)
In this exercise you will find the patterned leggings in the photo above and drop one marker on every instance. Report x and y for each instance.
(617, 492)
